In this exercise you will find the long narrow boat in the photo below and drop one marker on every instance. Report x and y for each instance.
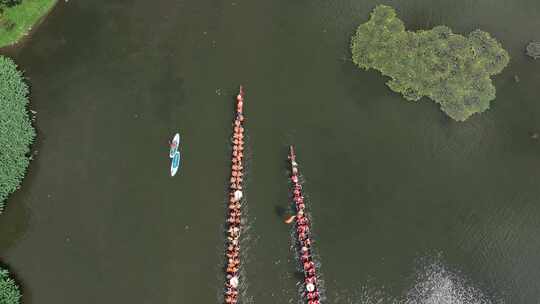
(234, 207)
(304, 243)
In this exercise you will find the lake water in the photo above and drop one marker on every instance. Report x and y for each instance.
(408, 206)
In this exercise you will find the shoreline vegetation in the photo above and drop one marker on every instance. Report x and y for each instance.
(9, 290)
(18, 19)
(452, 70)
(16, 130)
(16, 135)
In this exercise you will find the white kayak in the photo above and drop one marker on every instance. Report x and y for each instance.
(175, 163)
(174, 145)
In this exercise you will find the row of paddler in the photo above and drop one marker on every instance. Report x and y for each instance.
(311, 292)
(234, 210)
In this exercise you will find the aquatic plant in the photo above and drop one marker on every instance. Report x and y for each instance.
(533, 49)
(9, 291)
(16, 131)
(451, 69)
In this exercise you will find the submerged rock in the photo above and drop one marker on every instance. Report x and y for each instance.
(533, 49)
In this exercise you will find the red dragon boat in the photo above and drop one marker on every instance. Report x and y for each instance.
(303, 236)
(234, 206)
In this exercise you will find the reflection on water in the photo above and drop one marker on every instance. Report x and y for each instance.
(433, 283)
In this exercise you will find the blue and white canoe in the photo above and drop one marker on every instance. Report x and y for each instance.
(174, 145)
(175, 163)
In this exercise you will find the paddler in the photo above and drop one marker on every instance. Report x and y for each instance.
(312, 295)
(305, 257)
(234, 282)
(238, 194)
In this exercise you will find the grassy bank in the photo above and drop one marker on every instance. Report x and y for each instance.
(17, 21)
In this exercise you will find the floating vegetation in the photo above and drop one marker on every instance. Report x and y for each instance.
(9, 291)
(533, 49)
(451, 69)
(16, 131)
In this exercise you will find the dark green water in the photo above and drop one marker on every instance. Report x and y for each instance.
(402, 198)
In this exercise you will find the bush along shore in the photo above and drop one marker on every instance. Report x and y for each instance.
(16, 131)
(9, 291)
(16, 135)
(450, 69)
(17, 17)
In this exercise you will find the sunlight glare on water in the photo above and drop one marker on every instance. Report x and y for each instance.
(433, 283)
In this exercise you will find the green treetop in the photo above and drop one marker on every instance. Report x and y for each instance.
(451, 69)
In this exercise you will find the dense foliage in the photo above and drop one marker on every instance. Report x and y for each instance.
(16, 131)
(17, 17)
(8, 3)
(9, 291)
(452, 70)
